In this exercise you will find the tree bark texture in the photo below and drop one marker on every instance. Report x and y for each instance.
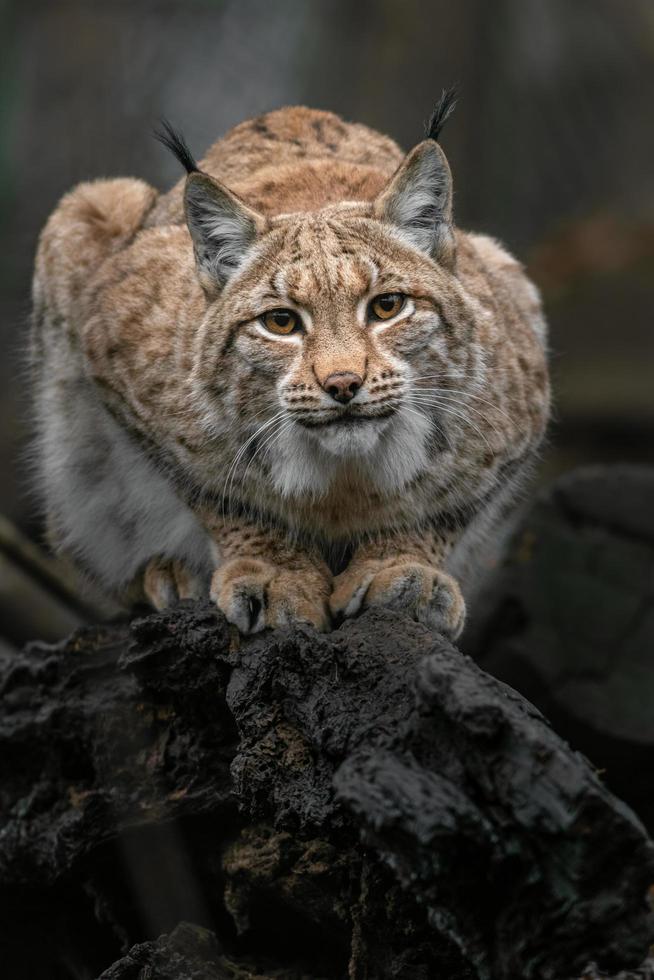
(366, 803)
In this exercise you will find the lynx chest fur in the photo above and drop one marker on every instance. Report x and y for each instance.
(289, 383)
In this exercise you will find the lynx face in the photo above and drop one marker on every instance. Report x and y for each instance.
(330, 316)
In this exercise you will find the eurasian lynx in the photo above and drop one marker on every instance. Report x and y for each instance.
(289, 383)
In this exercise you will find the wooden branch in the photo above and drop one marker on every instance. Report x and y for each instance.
(366, 803)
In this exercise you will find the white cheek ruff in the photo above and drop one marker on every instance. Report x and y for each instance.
(389, 454)
(351, 440)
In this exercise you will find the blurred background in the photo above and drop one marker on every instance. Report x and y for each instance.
(551, 146)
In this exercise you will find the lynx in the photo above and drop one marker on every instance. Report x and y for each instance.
(289, 383)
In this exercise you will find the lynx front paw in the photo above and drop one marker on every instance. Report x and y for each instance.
(166, 580)
(427, 594)
(255, 594)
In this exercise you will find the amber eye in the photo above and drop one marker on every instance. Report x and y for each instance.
(281, 321)
(386, 305)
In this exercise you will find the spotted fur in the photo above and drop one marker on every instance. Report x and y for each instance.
(182, 444)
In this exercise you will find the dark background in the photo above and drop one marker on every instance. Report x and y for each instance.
(552, 149)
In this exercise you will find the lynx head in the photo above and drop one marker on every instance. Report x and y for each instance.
(321, 320)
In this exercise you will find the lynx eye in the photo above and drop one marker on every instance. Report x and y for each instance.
(386, 305)
(281, 321)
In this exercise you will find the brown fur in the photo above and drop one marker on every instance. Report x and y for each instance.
(184, 367)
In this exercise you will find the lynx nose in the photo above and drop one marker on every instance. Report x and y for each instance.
(342, 386)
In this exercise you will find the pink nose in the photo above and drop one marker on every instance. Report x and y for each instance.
(342, 386)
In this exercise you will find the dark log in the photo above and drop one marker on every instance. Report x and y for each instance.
(569, 621)
(366, 803)
(188, 953)
(194, 953)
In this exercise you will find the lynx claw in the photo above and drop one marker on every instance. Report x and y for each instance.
(427, 594)
(166, 580)
(255, 595)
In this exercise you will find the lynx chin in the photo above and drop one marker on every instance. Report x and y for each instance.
(290, 383)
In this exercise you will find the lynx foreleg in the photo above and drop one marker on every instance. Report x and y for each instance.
(166, 580)
(262, 580)
(404, 572)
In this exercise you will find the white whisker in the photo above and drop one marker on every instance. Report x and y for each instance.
(465, 394)
(227, 486)
(448, 409)
(445, 406)
(269, 441)
(450, 397)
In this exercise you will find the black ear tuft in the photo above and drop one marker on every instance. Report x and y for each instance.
(442, 112)
(177, 145)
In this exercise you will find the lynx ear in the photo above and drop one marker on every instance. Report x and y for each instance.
(222, 227)
(418, 201)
